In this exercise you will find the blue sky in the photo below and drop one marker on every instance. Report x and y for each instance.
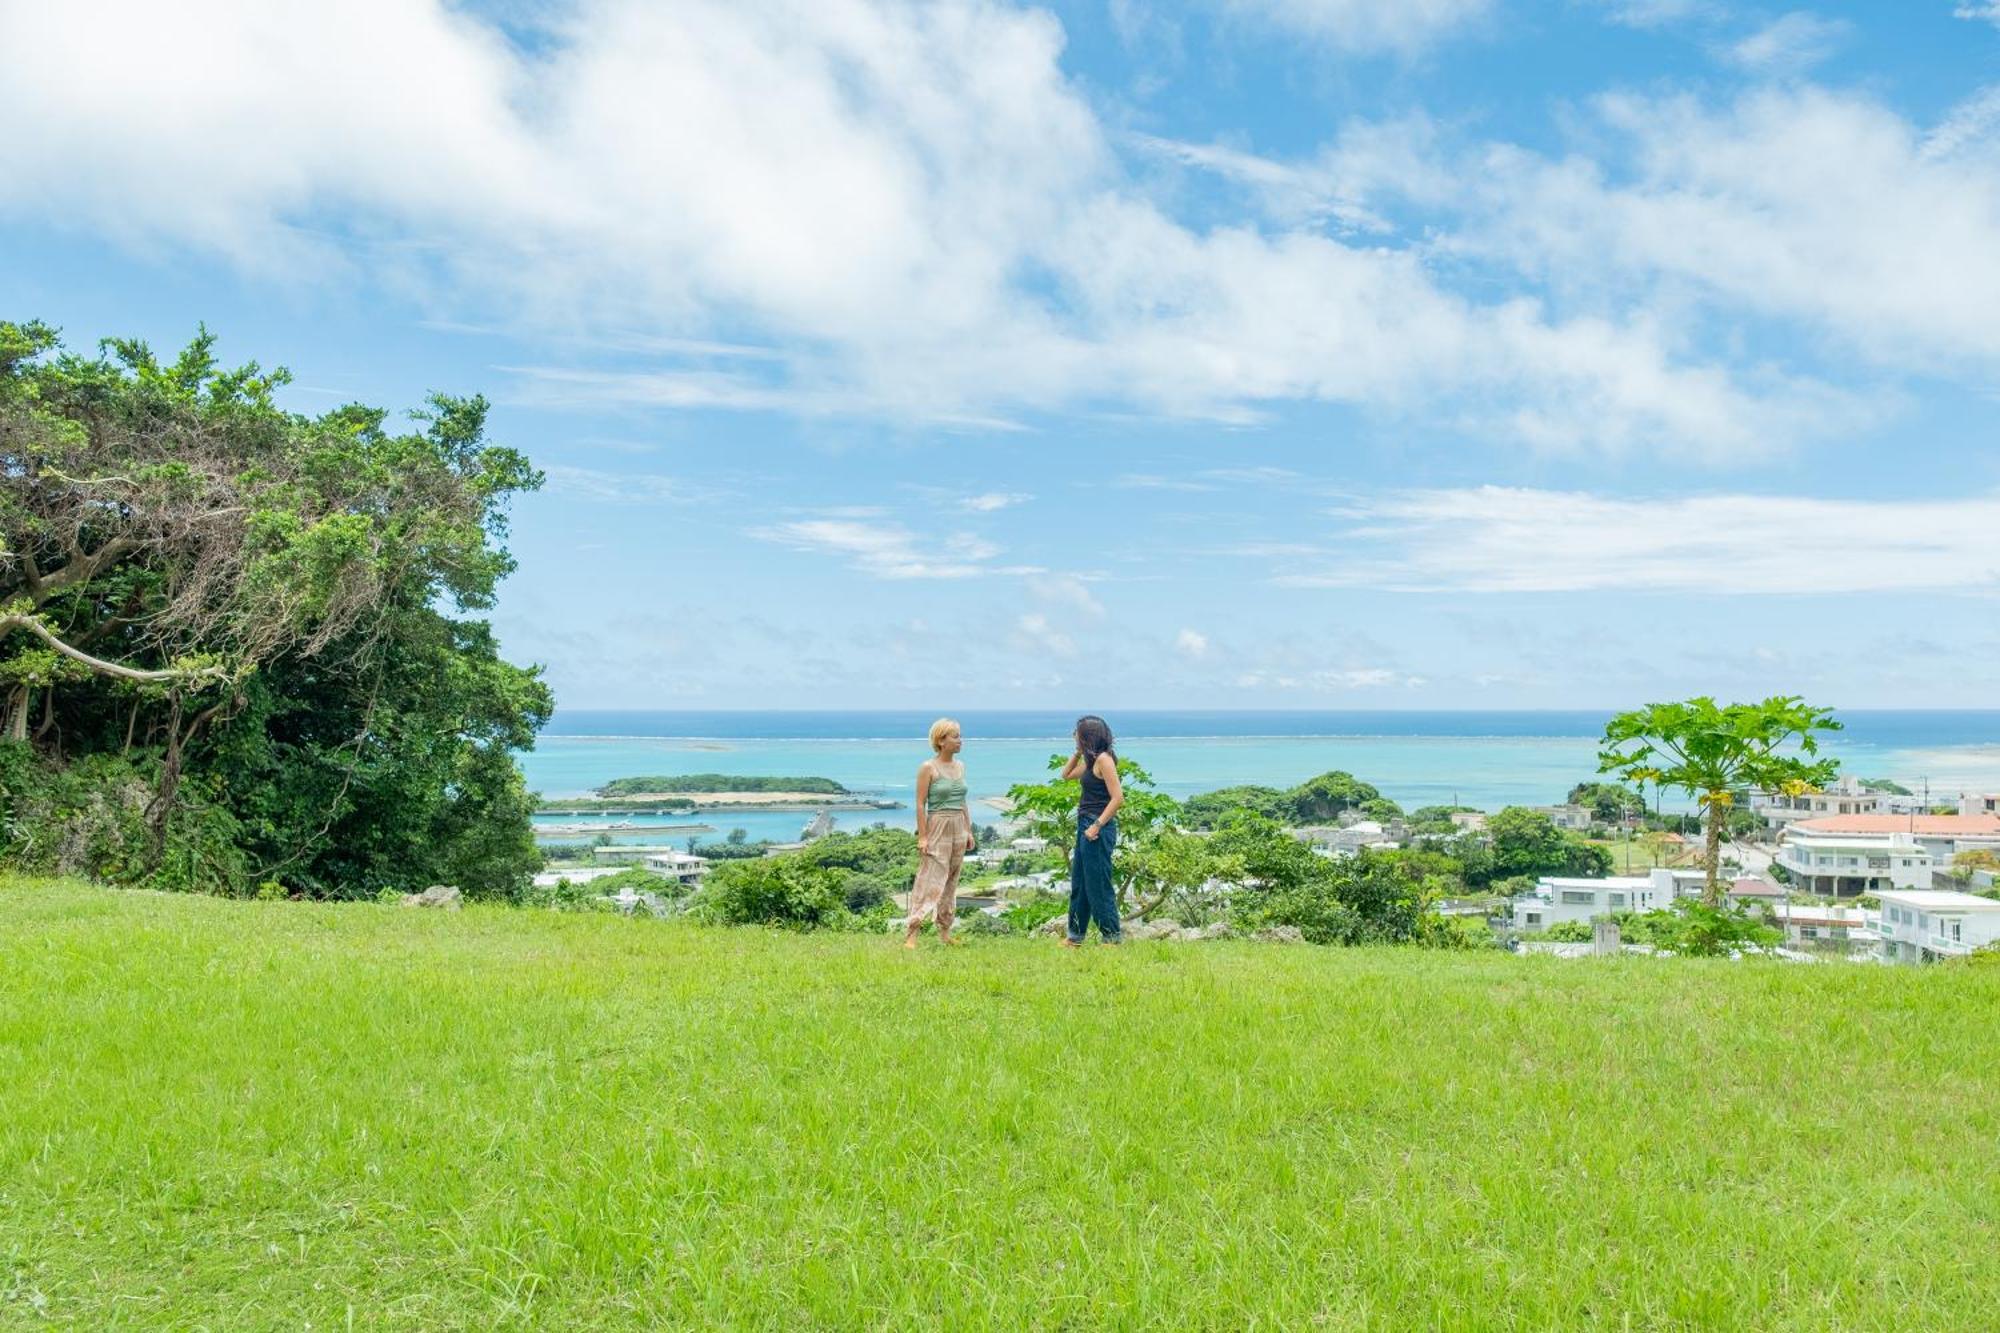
(1240, 353)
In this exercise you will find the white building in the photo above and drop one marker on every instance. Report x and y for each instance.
(1925, 925)
(1845, 797)
(1851, 854)
(682, 867)
(548, 879)
(1979, 803)
(1469, 821)
(1561, 898)
(1348, 839)
(1816, 926)
(1575, 818)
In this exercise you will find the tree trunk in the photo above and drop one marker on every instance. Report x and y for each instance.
(1711, 855)
(162, 806)
(17, 714)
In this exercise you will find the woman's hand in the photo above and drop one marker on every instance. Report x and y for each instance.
(1091, 831)
(971, 843)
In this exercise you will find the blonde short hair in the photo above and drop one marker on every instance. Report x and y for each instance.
(940, 727)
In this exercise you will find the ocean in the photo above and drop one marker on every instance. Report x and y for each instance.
(1483, 759)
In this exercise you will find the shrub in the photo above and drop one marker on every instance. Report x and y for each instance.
(1569, 932)
(1029, 913)
(773, 891)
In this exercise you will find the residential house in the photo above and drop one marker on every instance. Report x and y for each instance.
(1563, 898)
(1845, 797)
(681, 867)
(1981, 803)
(1847, 855)
(1575, 818)
(1821, 926)
(1926, 925)
(1469, 821)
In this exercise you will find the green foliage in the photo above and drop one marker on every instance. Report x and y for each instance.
(886, 854)
(1527, 843)
(1886, 785)
(1362, 899)
(718, 782)
(1317, 800)
(1697, 929)
(1435, 820)
(773, 891)
(738, 850)
(1025, 914)
(1609, 802)
(1569, 932)
(1713, 751)
(273, 606)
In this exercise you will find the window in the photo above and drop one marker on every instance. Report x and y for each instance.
(1808, 932)
(1579, 897)
(1534, 918)
(1617, 900)
(1957, 929)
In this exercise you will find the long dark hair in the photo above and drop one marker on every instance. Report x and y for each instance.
(1093, 737)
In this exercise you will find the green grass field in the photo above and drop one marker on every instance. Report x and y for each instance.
(234, 1115)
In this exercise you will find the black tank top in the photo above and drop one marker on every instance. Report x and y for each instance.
(1096, 795)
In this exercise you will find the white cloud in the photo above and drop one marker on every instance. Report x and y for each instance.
(1068, 592)
(1494, 539)
(1368, 25)
(1191, 643)
(618, 487)
(1790, 43)
(910, 205)
(993, 500)
(1823, 209)
(884, 550)
(1033, 633)
(1989, 10)
(1329, 681)
(1657, 13)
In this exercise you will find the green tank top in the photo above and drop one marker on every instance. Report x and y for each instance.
(945, 793)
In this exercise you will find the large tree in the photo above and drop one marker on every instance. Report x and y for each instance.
(1713, 751)
(202, 583)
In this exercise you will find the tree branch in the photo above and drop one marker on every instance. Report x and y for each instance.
(169, 676)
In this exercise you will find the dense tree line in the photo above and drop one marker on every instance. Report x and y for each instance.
(235, 642)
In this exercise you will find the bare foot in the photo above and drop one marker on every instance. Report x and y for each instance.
(952, 940)
(909, 941)
(1069, 943)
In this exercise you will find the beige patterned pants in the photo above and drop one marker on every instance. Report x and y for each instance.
(935, 894)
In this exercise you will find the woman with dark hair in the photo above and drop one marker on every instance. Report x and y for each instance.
(1091, 895)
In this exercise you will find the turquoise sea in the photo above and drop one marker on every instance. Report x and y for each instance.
(1484, 759)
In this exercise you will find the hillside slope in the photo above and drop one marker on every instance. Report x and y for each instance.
(251, 1115)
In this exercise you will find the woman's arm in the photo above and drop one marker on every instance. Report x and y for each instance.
(1073, 768)
(1106, 769)
(923, 803)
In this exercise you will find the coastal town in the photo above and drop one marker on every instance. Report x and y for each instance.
(1858, 871)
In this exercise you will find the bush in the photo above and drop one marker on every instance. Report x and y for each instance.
(981, 923)
(774, 891)
(1569, 932)
(1029, 913)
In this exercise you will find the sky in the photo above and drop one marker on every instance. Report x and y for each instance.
(1226, 354)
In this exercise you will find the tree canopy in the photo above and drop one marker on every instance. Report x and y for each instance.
(1713, 751)
(249, 624)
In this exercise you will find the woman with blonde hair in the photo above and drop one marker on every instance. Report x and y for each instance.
(944, 834)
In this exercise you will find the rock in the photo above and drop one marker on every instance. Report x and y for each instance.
(1152, 930)
(1280, 935)
(1055, 925)
(437, 895)
(1215, 930)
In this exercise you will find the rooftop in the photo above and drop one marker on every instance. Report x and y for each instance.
(1940, 900)
(1962, 825)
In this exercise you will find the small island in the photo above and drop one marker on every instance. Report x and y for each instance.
(714, 792)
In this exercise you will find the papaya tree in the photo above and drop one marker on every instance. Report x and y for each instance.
(1713, 751)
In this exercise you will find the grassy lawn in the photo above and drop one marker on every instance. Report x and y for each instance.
(238, 1115)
